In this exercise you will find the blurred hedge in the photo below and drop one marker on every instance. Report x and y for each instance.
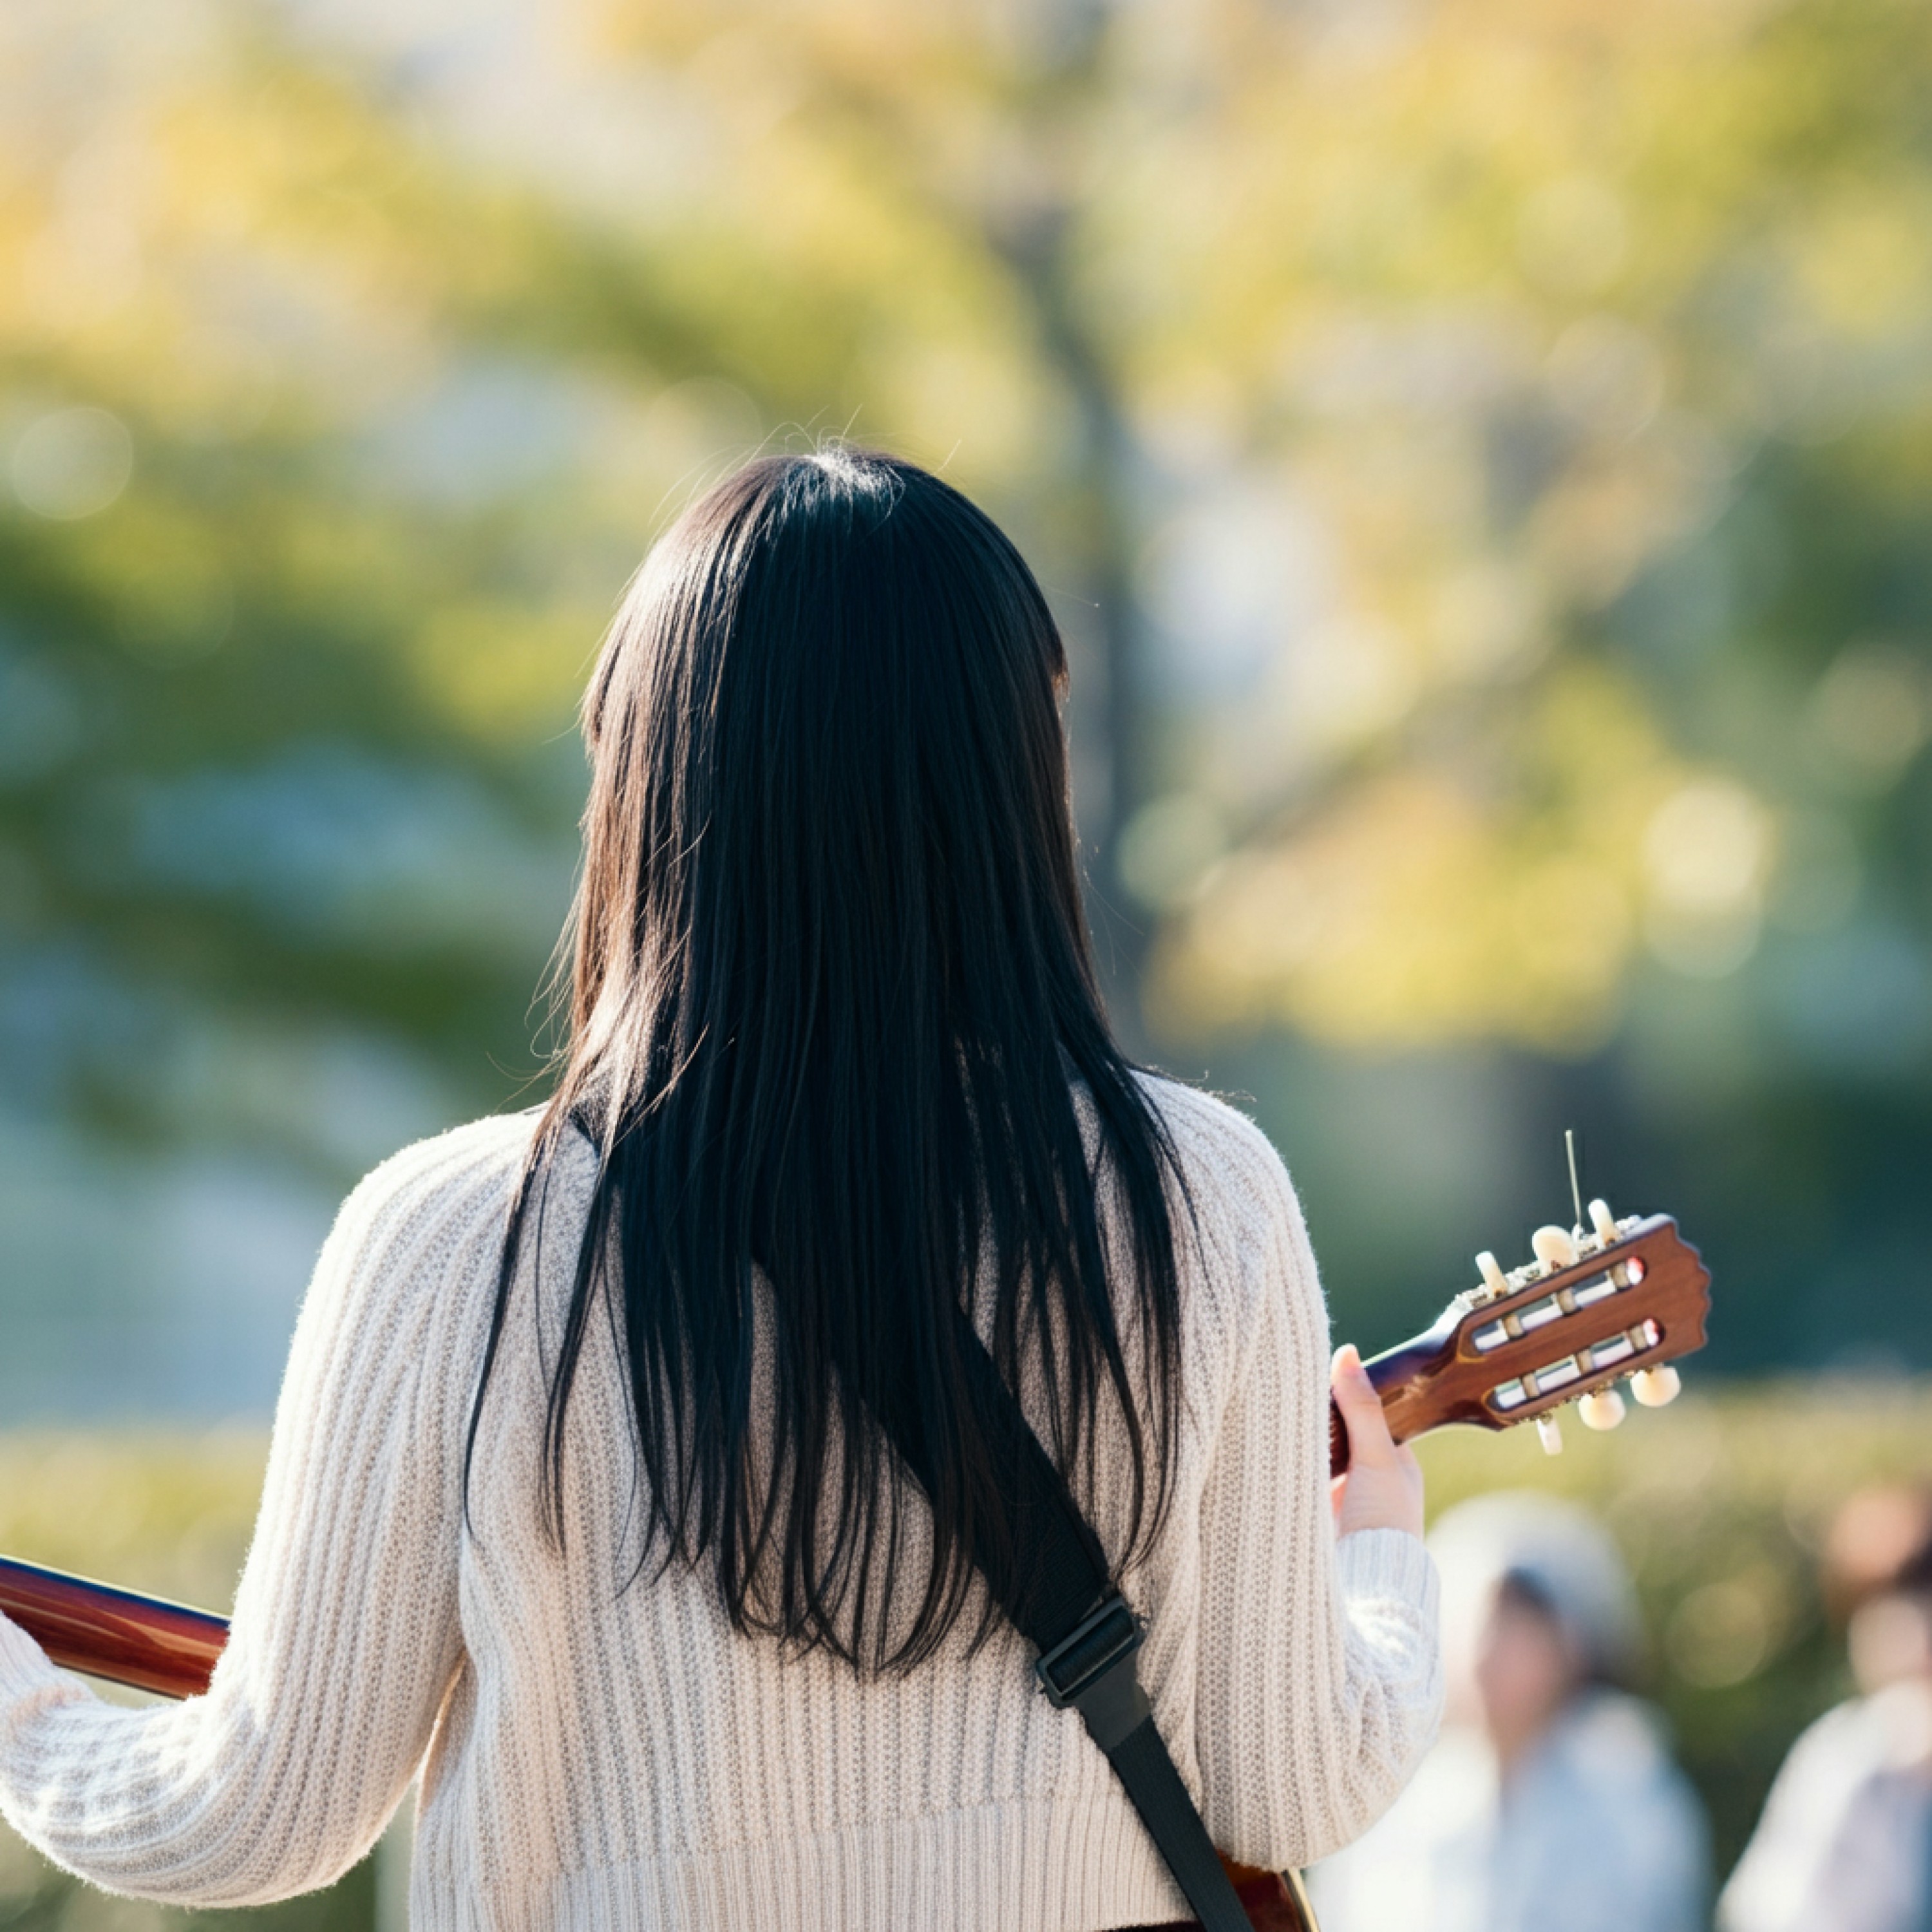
(1719, 1502)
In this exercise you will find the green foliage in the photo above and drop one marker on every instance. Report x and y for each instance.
(1479, 454)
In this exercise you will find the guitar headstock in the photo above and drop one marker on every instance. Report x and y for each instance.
(1620, 1299)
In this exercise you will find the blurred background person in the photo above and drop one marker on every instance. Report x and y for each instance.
(1845, 1844)
(1551, 1800)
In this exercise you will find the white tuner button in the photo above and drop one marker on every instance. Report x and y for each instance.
(1553, 1246)
(1550, 1434)
(1601, 1408)
(1491, 1270)
(1655, 1386)
(1603, 1221)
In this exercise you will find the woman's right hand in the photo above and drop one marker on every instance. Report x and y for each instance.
(1381, 1489)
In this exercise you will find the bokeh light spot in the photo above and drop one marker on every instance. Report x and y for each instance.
(1706, 851)
(72, 463)
(1870, 713)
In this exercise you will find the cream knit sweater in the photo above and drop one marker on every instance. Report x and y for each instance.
(594, 1755)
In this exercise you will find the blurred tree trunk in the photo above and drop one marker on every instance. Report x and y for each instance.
(1036, 238)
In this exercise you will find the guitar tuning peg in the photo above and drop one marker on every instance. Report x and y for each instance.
(1550, 1434)
(1491, 1270)
(1553, 1246)
(1603, 1221)
(1601, 1408)
(1655, 1386)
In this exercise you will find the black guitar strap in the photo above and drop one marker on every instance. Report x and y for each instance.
(1055, 1586)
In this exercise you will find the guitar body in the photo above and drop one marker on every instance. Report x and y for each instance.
(1274, 1901)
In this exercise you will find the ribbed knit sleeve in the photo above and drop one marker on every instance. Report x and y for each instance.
(1319, 1682)
(345, 1635)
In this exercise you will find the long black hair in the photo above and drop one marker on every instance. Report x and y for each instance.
(832, 1023)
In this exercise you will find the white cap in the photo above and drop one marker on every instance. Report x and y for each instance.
(1564, 1554)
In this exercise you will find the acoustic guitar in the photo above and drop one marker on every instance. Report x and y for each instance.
(1617, 1301)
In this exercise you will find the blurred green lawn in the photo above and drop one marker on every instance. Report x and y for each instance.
(1719, 1502)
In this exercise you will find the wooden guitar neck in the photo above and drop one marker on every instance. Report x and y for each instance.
(144, 1642)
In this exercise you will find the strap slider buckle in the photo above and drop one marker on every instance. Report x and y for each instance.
(1107, 1636)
